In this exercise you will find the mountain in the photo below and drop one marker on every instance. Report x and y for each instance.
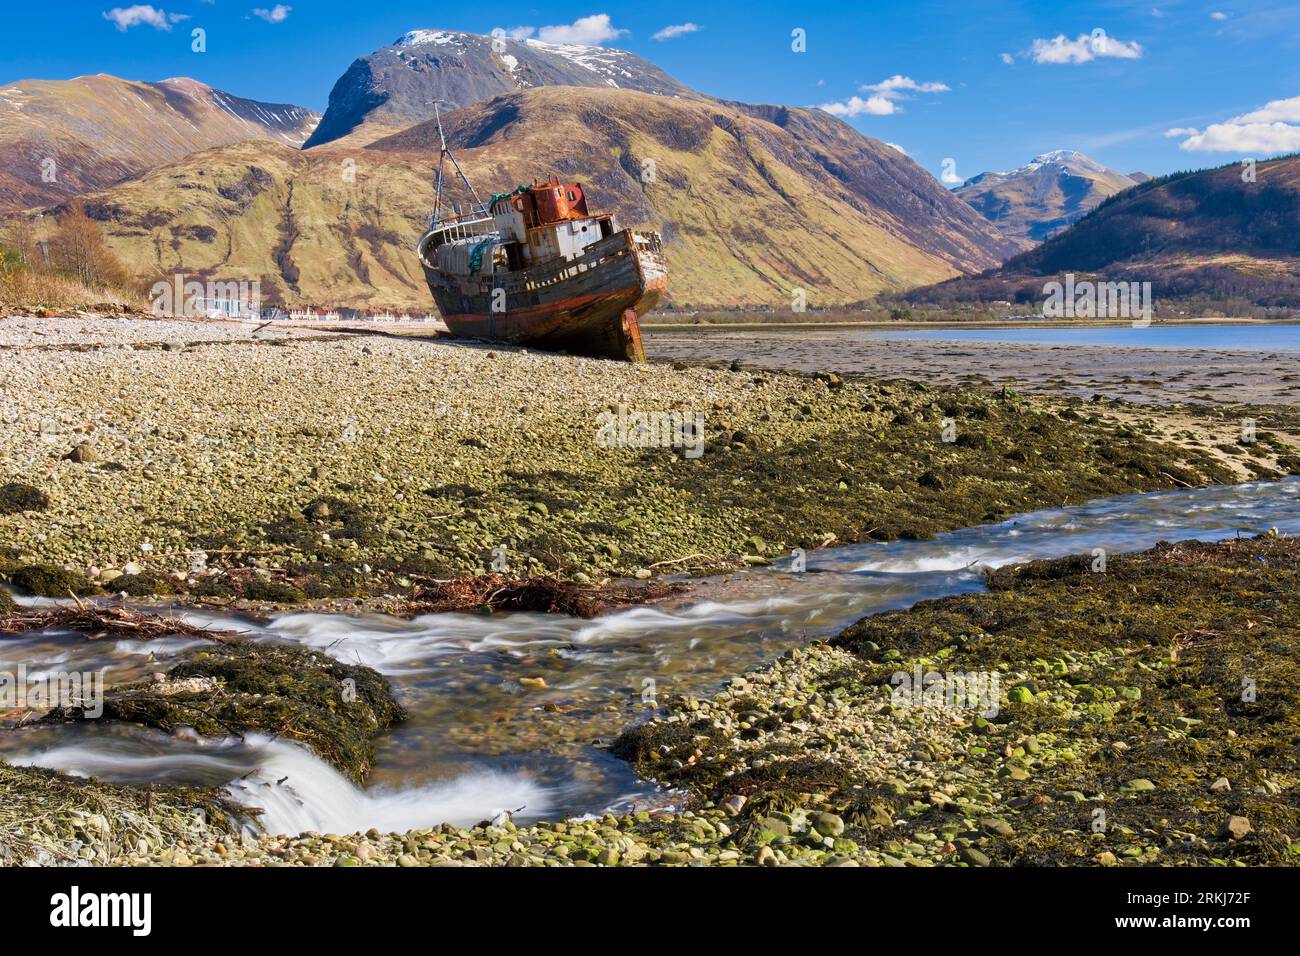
(61, 138)
(1043, 197)
(399, 84)
(753, 202)
(1205, 235)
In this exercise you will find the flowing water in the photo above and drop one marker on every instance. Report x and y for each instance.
(478, 741)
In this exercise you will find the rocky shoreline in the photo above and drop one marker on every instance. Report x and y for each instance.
(218, 463)
(199, 463)
(1120, 734)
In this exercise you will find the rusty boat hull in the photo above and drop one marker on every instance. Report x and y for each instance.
(588, 305)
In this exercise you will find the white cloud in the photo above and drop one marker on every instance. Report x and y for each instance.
(134, 16)
(897, 147)
(680, 29)
(585, 31)
(1182, 131)
(857, 106)
(1008, 59)
(1083, 48)
(1273, 128)
(277, 14)
(1285, 111)
(884, 97)
(1263, 138)
(897, 85)
(520, 33)
(1217, 15)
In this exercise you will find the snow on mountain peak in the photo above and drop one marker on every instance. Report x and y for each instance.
(422, 37)
(1070, 159)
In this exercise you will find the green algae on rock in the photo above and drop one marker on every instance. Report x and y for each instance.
(1132, 741)
(336, 709)
(45, 580)
(1137, 688)
(389, 474)
(16, 497)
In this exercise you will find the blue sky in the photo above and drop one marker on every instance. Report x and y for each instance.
(1153, 86)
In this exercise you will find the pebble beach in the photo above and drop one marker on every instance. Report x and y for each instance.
(254, 469)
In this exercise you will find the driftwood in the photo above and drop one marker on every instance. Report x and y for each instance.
(542, 593)
(98, 621)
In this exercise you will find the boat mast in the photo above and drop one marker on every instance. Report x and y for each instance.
(444, 154)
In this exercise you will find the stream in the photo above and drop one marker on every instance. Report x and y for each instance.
(477, 741)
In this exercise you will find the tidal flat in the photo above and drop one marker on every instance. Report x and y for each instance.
(221, 465)
(1144, 715)
(229, 464)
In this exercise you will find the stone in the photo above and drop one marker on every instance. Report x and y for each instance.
(1020, 694)
(997, 826)
(973, 856)
(1236, 828)
(734, 805)
(827, 824)
(880, 815)
(1139, 785)
(1221, 785)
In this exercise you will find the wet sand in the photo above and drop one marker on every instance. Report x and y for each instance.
(1145, 375)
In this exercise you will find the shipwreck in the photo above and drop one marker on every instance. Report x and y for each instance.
(535, 267)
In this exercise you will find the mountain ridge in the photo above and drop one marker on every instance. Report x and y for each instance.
(398, 84)
(1039, 199)
(61, 138)
(1200, 235)
(750, 210)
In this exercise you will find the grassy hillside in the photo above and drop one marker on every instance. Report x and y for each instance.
(753, 204)
(61, 138)
(1201, 238)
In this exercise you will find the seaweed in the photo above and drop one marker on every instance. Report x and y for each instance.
(1126, 692)
(143, 585)
(46, 580)
(542, 593)
(48, 818)
(16, 497)
(229, 688)
(98, 621)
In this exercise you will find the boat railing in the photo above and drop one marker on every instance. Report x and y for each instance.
(463, 225)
